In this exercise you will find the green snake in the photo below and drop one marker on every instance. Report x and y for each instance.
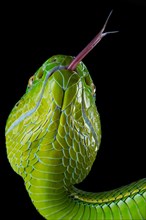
(52, 137)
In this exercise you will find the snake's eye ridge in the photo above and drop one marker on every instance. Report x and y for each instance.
(30, 81)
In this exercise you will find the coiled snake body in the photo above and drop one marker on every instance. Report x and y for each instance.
(52, 137)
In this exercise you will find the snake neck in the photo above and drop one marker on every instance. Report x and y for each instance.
(54, 200)
(52, 136)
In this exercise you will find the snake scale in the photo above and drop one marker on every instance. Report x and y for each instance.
(52, 137)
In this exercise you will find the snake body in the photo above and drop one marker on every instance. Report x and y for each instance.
(53, 135)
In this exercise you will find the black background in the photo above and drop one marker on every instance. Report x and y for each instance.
(30, 35)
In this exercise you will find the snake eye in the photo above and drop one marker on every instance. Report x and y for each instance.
(93, 89)
(30, 81)
(90, 84)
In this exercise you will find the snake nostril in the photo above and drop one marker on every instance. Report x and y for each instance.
(40, 74)
(88, 80)
(17, 103)
(54, 60)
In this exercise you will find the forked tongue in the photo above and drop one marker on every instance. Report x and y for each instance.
(91, 45)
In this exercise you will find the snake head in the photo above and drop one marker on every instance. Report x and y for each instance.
(57, 118)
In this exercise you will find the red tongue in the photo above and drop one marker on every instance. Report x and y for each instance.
(91, 45)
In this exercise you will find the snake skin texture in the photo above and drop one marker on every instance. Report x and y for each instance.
(53, 135)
